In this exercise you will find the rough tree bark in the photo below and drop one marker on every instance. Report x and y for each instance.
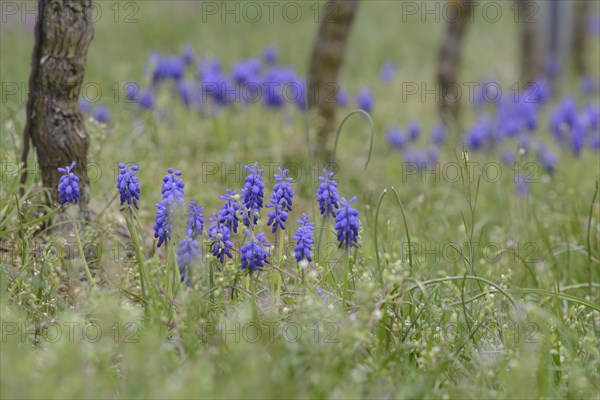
(449, 57)
(54, 123)
(580, 11)
(530, 46)
(326, 61)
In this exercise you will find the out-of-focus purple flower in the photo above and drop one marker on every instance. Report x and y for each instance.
(415, 157)
(365, 99)
(101, 114)
(594, 140)
(395, 137)
(588, 85)
(552, 66)
(522, 182)
(387, 72)
(593, 24)
(489, 91)
(246, 71)
(270, 55)
(537, 92)
(195, 222)
(343, 98)
(128, 185)
(414, 131)
(131, 91)
(208, 66)
(188, 55)
(187, 254)
(347, 224)
(219, 87)
(68, 185)
(275, 80)
(438, 134)
(476, 137)
(547, 159)
(433, 155)
(299, 87)
(508, 158)
(147, 100)
(84, 106)
(187, 92)
(168, 68)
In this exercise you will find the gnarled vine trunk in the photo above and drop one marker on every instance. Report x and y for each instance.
(580, 11)
(54, 123)
(530, 46)
(326, 61)
(450, 54)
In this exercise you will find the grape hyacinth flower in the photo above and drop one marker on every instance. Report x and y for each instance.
(68, 186)
(147, 100)
(327, 194)
(84, 106)
(342, 98)
(172, 191)
(281, 201)
(255, 254)
(414, 131)
(229, 212)
(387, 72)
(187, 254)
(508, 158)
(172, 187)
(101, 114)
(221, 239)
(270, 55)
(128, 185)
(347, 224)
(438, 135)
(395, 137)
(304, 239)
(187, 55)
(131, 90)
(252, 194)
(365, 100)
(547, 159)
(195, 223)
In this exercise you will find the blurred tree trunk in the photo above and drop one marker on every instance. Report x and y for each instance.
(54, 123)
(449, 57)
(326, 61)
(580, 11)
(530, 43)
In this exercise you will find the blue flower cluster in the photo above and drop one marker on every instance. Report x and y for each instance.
(203, 84)
(128, 185)
(68, 185)
(252, 195)
(100, 113)
(347, 224)
(255, 253)
(327, 194)
(172, 191)
(281, 201)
